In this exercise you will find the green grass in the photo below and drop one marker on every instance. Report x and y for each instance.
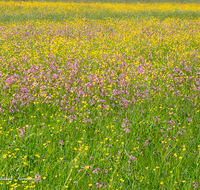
(100, 15)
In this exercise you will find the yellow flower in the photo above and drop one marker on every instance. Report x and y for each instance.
(90, 185)
(161, 182)
(180, 157)
(122, 180)
(37, 155)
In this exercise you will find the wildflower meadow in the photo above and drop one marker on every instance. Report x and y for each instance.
(99, 95)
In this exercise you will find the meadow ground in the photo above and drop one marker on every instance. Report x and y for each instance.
(97, 95)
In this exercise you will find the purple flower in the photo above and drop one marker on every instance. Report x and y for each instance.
(195, 185)
(183, 130)
(14, 101)
(21, 134)
(96, 171)
(127, 130)
(61, 141)
(171, 122)
(37, 178)
(131, 158)
(99, 185)
(106, 172)
(123, 125)
(146, 142)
